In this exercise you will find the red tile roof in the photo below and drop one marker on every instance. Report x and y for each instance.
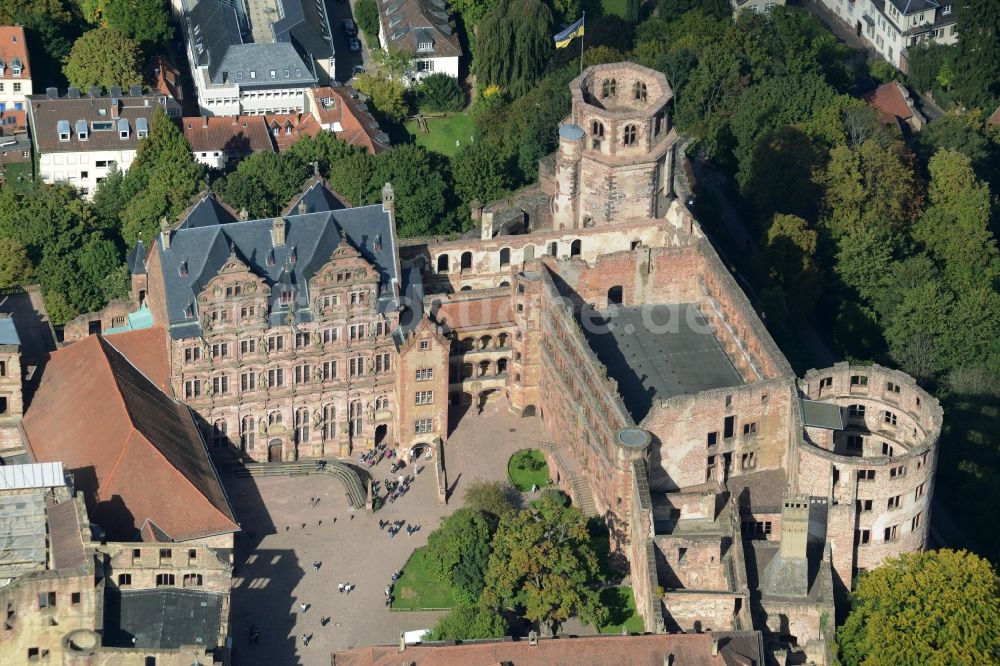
(163, 76)
(287, 128)
(12, 45)
(332, 109)
(135, 453)
(147, 350)
(995, 118)
(233, 134)
(650, 650)
(888, 99)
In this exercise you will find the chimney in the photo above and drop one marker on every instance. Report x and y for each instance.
(486, 225)
(402, 642)
(278, 232)
(388, 199)
(303, 208)
(244, 215)
(532, 638)
(164, 233)
(114, 107)
(204, 122)
(668, 659)
(794, 526)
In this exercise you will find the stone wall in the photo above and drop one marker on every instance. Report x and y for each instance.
(701, 611)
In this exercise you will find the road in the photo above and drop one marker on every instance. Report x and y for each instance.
(337, 11)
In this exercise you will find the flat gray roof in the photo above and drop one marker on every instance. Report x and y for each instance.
(822, 415)
(658, 351)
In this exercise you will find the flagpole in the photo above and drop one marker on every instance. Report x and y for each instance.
(584, 26)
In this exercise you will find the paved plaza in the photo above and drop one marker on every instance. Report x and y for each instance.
(283, 534)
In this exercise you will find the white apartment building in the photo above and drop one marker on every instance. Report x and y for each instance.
(892, 26)
(292, 51)
(80, 137)
(423, 28)
(15, 74)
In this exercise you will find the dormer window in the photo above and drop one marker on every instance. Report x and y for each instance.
(182, 268)
(63, 128)
(270, 258)
(274, 74)
(298, 72)
(285, 295)
(82, 131)
(239, 76)
(286, 73)
(141, 128)
(253, 74)
(425, 46)
(123, 131)
(946, 10)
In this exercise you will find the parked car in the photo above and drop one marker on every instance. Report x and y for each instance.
(348, 27)
(358, 69)
(353, 45)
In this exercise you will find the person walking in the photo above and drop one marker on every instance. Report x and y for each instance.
(303, 606)
(340, 588)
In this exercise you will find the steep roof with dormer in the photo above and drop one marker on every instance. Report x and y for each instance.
(197, 252)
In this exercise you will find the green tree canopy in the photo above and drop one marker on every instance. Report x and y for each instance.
(940, 607)
(103, 57)
(977, 62)
(543, 563)
(492, 498)
(387, 96)
(419, 186)
(458, 552)
(263, 183)
(366, 14)
(790, 254)
(147, 22)
(478, 174)
(469, 622)
(513, 45)
(440, 92)
(15, 267)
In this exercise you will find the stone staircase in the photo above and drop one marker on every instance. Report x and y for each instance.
(355, 490)
(583, 496)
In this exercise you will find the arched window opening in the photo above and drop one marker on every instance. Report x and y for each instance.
(629, 137)
(301, 425)
(329, 422)
(220, 435)
(615, 295)
(443, 263)
(608, 88)
(640, 91)
(505, 257)
(466, 261)
(575, 248)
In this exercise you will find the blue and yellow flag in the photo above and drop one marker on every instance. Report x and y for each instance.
(569, 33)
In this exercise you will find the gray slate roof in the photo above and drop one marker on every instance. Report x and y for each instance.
(218, 45)
(199, 250)
(163, 618)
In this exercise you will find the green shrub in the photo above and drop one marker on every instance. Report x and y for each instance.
(440, 92)
(366, 14)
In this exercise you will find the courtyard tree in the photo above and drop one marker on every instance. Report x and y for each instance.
(468, 622)
(790, 254)
(103, 57)
(937, 607)
(479, 174)
(458, 552)
(543, 565)
(147, 22)
(493, 498)
(420, 188)
(387, 96)
(263, 183)
(440, 92)
(513, 45)
(977, 62)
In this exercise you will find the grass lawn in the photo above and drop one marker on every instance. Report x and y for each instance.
(520, 471)
(444, 132)
(417, 589)
(616, 7)
(620, 603)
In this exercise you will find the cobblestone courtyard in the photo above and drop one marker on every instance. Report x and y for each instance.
(283, 534)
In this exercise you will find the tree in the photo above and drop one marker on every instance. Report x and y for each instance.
(469, 622)
(936, 607)
(161, 181)
(925, 61)
(386, 95)
(671, 10)
(326, 149)
(392, 64)
(716, 78)
(103, 57)
(543, 562)
(366, 14)
(632, 11)
(440, 92)
(472, 11)
(977, 62)
(264, 183)
(419, 186)
(146, 22)
(490, 497)
(914, 329)
(479, 174)
(513, 45)
(955, 227)
(15, 267)
(790, 254)
(458, 552)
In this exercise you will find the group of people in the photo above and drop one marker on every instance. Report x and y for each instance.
(374, 456)
(395, 525)
(388, 588)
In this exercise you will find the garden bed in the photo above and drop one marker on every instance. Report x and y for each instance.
(527, 468)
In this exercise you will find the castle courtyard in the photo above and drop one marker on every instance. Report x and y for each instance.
(275, 553)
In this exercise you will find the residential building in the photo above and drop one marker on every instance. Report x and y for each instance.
(292, 50)
(335, 109)
(892, 26)
(755, 6)
(894, 105)
(79, 137)
(423, 28)
(742, 496)
(162, 76)
(219, 141)
(15, 72)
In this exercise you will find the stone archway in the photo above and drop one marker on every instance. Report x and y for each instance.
(275, 451)
(381, 431)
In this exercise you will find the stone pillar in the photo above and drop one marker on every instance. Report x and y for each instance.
(565, 204)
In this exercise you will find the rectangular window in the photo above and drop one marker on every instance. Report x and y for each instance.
(248, 312)
(855, 442)
(750, 428)
(220, 385)
(866, 475)
(303, 374)
(47, 600)
(234, 290)
(915, 523)
(356, 331)
(713, 438)
(357, 298)
(890, 533)
(748, 461)
(192, 388)
(276, 377)
(301, 340)
(331, 335)
(887, 450)
(423, 426)
(164, 579)
(889, 417)
(275, 343)
(248, 382)
(329, 370)
(166, 554)
(192, 354)
(856, 411)
(728, 427)
(918, 492)
(425, 345)
(357, 366)
(863, 537)
(381, 363)
(425, 374)
(74, 598)
(124, 580)
(859, 380)
(864, 506)
(248, 346)
(891, 388)
(893, 502)
(424, 397)
(220, 350)
(897, 472)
